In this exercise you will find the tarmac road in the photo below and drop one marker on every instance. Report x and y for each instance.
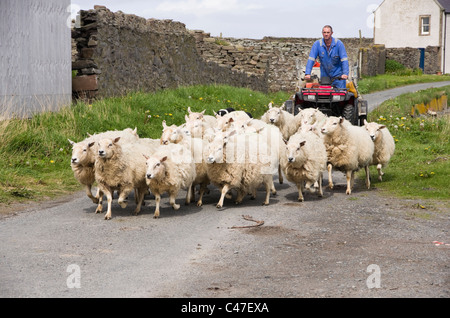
(367, 244)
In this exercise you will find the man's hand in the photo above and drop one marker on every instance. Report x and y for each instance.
(344, 77)
(307, 77)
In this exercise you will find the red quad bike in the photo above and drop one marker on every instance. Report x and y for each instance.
(332, 101)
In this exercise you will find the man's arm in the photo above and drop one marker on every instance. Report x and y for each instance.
(311, 59)
(344, 60)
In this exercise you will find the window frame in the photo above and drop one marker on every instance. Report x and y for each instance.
(422, 24)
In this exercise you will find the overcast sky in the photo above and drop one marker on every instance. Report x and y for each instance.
(254, 18)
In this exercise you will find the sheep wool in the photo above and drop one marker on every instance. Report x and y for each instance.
(170, 169)
(286, 122)
(305, 161)
(349, 148)
(384, 145)
(122, 168)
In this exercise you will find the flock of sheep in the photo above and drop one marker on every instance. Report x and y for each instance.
(231, 151)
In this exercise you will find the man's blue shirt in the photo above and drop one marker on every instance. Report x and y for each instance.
(333, 63)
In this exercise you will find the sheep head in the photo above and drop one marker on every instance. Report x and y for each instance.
(82, 153)
(107, 148)
(155, 167)
(373, 129)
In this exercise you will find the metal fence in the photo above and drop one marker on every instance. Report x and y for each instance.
(35, 56)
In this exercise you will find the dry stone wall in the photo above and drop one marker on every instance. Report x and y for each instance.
(118, 53)
(410, 57)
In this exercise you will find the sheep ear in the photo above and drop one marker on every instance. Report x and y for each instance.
(203, 111)
(285, 141)
(270, 105)
(365, 122)
(163, 159)
(116, 140)
(302, 143)
(89, 134)
(381, 126)
(186, 118)
(231, 120)
(189, 110)
(341, 120)
(71, 142)
(91, 144)
(164, 124)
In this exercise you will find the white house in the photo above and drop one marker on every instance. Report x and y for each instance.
(414, 24)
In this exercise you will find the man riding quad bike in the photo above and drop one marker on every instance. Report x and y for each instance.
(332, 101)
(334, 95)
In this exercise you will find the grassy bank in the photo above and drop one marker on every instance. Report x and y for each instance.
(386, 81)
(35, 153)
(420, 166)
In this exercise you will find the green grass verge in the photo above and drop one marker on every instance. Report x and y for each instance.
(420, 166)
(386, 81)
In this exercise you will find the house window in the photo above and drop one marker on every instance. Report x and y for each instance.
(424, 25)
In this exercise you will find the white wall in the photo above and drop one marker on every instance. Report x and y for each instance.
(35, 56)
(446, 41)
(397, 23)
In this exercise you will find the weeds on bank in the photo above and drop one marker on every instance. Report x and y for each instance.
(421, 164)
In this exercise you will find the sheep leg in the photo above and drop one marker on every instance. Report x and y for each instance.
(320, 184)
(157, 202)
(100, 201)
(380, 173)
(272, 187)
(367, 177)
(202, 190)
(123, 197)
(267, 184)
(109, 200)
(349, 176)
(190, 193)
(225, 189)
(300, 191)
(172, 197)
(280, 175)
(330, 179)
(140, 193)
(240, 196)
(88, 190)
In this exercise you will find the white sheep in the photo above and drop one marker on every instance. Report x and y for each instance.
(228, 121)
(349, 148)
(285, 121)
(83, 157)
(384, 145)
(272, 135)
(209, 120)
(311, 116)
(239, 162)
(196, 146)
(170, 169)
(166, 132)
(122, 168)
(305, 161)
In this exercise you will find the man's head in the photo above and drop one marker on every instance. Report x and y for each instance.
(327, 32)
